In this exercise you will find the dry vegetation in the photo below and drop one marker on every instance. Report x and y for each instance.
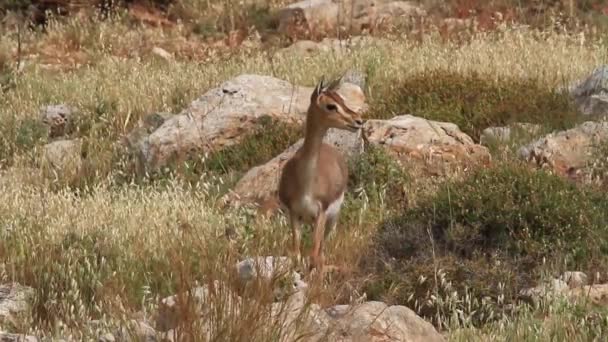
(105, 244)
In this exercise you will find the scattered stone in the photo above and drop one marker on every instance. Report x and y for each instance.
(162, 53)
(547, 290)
(268, 269)
(566, 152)
(135, 331)
(334, 45)
(57, 118)
(199, 299)
(8, 337)
(223, 116)
(108, 337)
(591, 95)
(504, 134)
(574, 279)
(436, 145)
(14, 299)
(63, 155)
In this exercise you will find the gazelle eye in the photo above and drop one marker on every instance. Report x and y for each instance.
(331, 107)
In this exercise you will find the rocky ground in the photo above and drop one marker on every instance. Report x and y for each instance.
(139, 182)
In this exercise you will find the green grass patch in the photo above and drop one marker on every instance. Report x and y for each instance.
(269, 139)
(474, 101)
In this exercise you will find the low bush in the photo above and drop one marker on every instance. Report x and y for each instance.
(492, 234)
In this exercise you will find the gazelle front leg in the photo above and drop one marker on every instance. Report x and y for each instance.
(316, 256)
(295, 236)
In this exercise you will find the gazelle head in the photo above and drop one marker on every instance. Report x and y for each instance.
(328, 108)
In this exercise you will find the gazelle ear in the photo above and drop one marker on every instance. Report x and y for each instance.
(335, 84)
(319, 88)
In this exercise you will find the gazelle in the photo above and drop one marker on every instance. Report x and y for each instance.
(313, 181)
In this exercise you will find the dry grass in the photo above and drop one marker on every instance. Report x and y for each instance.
(106, 249)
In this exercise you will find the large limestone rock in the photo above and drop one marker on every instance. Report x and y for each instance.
(369, 321)
(591, 95)
(434, 144)
(376, 321)
(222, 116)
(566, 152)
(317, 17)
(14, 300)
(299, 320)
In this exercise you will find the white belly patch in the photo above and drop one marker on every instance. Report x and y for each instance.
(306, 208)
(334, 207)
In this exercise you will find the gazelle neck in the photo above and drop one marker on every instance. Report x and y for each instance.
(313, 139)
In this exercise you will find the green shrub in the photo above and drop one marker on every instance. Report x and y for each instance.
(379, 174)
(268, 140)
(474, 101)
(489, 235)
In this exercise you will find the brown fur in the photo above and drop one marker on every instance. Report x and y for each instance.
(329, 182)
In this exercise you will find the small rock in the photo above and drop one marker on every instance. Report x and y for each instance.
(504, 134)
(57, 118)
(550, 289)
(162, 53)
(202, 299)
(135, 331)
(14, 299)
(591, 95)
(63, 155)
(8, 337)
(265, 268)
(108, 337)
(574, 279)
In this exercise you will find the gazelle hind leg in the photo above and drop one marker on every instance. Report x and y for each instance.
(295, 239)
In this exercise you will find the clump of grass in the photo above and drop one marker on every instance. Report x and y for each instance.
(379, 175)
(270, 138)
(475, 101)
(489, 235)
